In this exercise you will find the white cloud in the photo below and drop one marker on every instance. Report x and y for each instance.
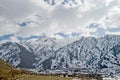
(13, 39)
(113, 19)
(114, 33)
(13, 11)
(43, 18)
(16, 9)
(7, 28)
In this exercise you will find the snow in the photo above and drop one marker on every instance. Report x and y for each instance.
(9, 50)
(84, 52)
(110, 78)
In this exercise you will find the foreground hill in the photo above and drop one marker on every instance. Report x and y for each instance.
(7, 72)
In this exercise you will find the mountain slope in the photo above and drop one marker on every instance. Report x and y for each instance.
(4, 68)
(16, 55)
(9, 52)
(27, 58)
(89, 53)
(48, 53)
(7, 72)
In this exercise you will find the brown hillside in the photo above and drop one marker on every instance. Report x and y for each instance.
(7, 71)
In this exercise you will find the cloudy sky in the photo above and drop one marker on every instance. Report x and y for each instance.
(29, 19)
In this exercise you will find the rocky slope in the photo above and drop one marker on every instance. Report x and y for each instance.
(48, 53)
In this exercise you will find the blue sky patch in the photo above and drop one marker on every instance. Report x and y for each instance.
(74, 34)
(62, 34)
(4, 37)
(114, 29)
(23, 24)
(28, 38)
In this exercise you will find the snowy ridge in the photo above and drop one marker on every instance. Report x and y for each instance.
(9, 52)
(86, 53)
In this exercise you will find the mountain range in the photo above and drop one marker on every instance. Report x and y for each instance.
(89, 53)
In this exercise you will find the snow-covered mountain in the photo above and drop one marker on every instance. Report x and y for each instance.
(16, 55)
(89, 53)
(49, 53)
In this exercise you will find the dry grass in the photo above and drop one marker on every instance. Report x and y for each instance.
(8, 72)
(5, 70)
(40, 77)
